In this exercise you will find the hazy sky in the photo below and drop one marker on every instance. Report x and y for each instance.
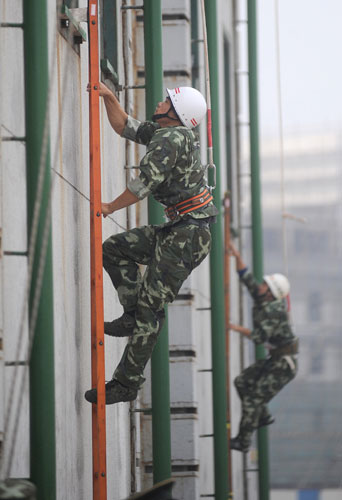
(311, 69)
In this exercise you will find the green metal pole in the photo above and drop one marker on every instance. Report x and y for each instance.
(161, 421)
(256, 217)
(216, 279)
(42, 396)
(194, 44)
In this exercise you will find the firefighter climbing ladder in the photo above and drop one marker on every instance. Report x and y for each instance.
(97, 333)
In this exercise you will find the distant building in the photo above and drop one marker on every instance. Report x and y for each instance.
(306, 440)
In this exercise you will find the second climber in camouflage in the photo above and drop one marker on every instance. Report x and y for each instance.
(171, 171)
(261, 381)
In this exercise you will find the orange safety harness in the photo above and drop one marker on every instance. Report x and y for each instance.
(189, 205)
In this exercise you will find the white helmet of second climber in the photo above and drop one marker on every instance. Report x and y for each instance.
(278, 284)
(189, 105)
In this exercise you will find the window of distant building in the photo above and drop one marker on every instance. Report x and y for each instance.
(316, 367)
(314, 312)
(272, 239)
(311, 242)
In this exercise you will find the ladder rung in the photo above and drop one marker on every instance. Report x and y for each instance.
(13, 138)
(16, 363)
(16, 253)
(11, 25)
(132, 7)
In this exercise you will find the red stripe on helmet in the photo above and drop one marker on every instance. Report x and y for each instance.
(177, 90)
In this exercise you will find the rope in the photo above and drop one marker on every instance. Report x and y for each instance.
(208, 97)
(85, 197)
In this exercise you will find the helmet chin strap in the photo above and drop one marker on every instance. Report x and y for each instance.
(157, 116)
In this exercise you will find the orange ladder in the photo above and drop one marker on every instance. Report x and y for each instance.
(97, 333)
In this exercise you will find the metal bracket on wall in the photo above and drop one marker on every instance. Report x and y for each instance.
(132, 7)
(70, 24)
(109, 72)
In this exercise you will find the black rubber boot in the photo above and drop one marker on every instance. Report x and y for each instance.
(268, 420)
(120, 327)
(235, 444)
(115, 393)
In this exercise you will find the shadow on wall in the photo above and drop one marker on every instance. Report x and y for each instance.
(160, 491)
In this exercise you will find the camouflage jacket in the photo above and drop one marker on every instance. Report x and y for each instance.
(270, 319)
(171, 169)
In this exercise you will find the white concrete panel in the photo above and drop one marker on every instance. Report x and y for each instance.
(11, 11)
(176, 7)
(2, 373)
(12, 80)
(170, 82)
(183, 381)
(15, 339)
(206, 482)
(177, 53)
(72, 97)
(17, 446)
(146, 444)
(186, 486)
(181, 331)
(333, 494)
(14, 224)
(284, 495)
(184, 442)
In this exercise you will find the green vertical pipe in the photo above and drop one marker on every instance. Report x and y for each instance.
(161, 420)
(256, 217)
(194, 44)
(216, 279)
(42, 396)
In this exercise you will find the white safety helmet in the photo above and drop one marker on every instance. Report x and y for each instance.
(189, 105)
(278, 284)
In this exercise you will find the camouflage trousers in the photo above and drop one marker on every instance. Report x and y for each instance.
(170, 254)
(18, 488)
(256, 386)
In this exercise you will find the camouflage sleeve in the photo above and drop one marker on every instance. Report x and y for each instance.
(251, 284)
(155, 166)
(258, 336)
(140, 132)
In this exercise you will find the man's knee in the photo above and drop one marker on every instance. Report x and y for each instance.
(110, 250)
(239, 382)
(241, 385)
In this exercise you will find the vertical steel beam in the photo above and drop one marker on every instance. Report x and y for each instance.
(96, 275)
(256, 216)
(161, 421)
(227, 210)
(227, 203)
(216, 280)
(42, 376)
(194, 44)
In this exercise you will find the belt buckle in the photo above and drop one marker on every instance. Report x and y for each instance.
(174, 215)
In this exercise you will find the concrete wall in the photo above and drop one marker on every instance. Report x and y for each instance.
(332, 494)
(13, 261)
(190, 336)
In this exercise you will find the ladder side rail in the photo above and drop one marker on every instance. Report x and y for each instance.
(97, 317)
